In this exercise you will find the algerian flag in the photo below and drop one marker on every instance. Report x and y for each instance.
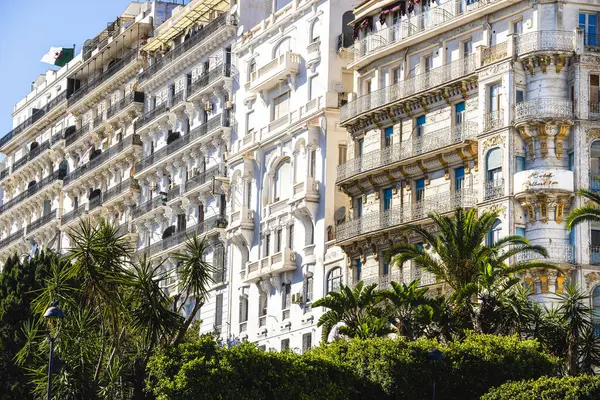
(59, 56)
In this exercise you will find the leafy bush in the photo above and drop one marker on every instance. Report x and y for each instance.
(378, 368)
(582, 387)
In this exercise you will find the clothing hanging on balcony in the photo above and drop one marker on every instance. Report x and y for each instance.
(365, 23)
(392, 8)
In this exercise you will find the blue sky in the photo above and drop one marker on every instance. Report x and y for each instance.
(27, 31)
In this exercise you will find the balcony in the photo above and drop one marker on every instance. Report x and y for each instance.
(222, 23)
(494, 189)
(33, 154)
(416, 29)
(73, 215)
(179, 238)
(382, 281)
(123, 106)
(202, 178)
(51, 216)
(493, 120)
(594, 255)
(213, 125)
(545, 42)
(434, 79)
(376, 222)
(204, 83)
(543, 181)
(595, 182)
(280, 262)
(495, 53)
(557, 254)
(344, 41)
(149, 205)
(13, 237)
(30, 191)
(150, 116)
(37, 115)
(313, 53)
(396, 154)
(102, 158)
(77, 134)
(130, 58)
(269, 75)
(543, 109)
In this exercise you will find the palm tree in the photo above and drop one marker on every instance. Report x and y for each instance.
(410, 309)
(196, 278)
(587, 213)
(459, 257)
(359, 309)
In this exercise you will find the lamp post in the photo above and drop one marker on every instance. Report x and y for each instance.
(433, 356)
(52, 313)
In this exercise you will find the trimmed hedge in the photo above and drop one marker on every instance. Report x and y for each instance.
(583, 387)
(379, 368)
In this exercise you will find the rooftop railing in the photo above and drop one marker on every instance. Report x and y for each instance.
(188, 44)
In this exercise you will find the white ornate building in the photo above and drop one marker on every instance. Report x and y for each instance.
(488, 104)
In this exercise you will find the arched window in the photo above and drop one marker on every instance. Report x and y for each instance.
(251, 69)
(63, 169)
(596, 310)
(283, 47)
(282, 180)
(334, 280)
(315, 30)
(494, 233)
(168, 232)
(33, 146)
(494, 165)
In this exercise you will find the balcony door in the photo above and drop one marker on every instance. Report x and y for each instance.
(588, 22)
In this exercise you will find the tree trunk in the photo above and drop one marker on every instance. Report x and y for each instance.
(186, 324)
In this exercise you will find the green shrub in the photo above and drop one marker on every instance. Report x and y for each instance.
(548, 388)
(379, 368)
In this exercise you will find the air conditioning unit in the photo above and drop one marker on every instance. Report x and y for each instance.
(228, 105)
(296, 298)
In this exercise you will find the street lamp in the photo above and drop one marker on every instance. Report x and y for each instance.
(52, 313)
(433, 356)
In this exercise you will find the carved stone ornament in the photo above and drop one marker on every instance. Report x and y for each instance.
(591, 279)
(497, 140)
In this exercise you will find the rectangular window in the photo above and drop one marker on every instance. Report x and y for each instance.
(286, 298)
(496, 98)
(313, 87)
(291, 236)
(595, 237)
(219, 310)
(459, 178)
(520, 231)
(267, 244)
(420, 126)
(308, 289)
(250, 126)
(427, 63)
(396, 75)
(520, 96)
(520, 164)
(467, 48)
(459, 113)
(572, 237)
(342, 154)
(285, 344)
(368, 86)
(388, 136)
(517, 27)
(420, 189)
(278, 238)
(306, 342)
(360, 147)
(358, 270)
(587, 22)
(387, 199)
(359, 206)
(244, 308)
(594, 94)
(571, 161)
(201, 213)
(181, 222)
(281, 106)
(386, 268)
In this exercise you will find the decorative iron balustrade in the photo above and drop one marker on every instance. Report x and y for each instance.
(95, 202)
(73, 214)
(220, 120)
(174, 192)
(149, 205)
(41, 221)
(594, 255)
(557, 253)
(216, 221)
(591, 40)
(119, 188)
(545, 40)
(543, 108)
(202, 177)
(101, 39)
(30, 191)
(396, 216)
(151, 115)
(594, 111)
(35, 116)
(93, 83)
(595, 182)
(11, 238)
(133, 97)
(382, 281)
(493, 120)
(77, 134)
(103, 157)
(495, 53)
(494, 189)
(197, 37)
(345, 40)
(31, 155)
(435, 78)
(409, 148)
(177, 98)
(207, 78)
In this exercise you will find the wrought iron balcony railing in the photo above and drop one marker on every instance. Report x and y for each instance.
(36, 115)
(93, 83)
(557, 253)
(345, 40)
(95, 202)
(410, 148)
(594, 255)
(201, 178)
(546, 40)
(103, 157)
(133, 97)
(189, 43)
(77, 134)
(151, 115)
(4, 173)
(71, 215)
(494, 189)
(150, 205)
(543, 108)
(221, 120)
(207, 78)
(495, 53)
(396, 216)
(216, 221)
(11, 238)
(493, 120)
(41, 221)
(433, 79)
(119, 188)
(30, 191)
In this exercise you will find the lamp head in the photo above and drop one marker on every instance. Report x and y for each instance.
(53, 312)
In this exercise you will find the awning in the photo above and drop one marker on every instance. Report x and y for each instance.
(196, 11)
(365, 23)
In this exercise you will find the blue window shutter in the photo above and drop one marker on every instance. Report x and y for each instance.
(460, 107)
(420, 184)
(520, 231)
(459, 173)
(421, 120)
(520, 161)
(389, 131)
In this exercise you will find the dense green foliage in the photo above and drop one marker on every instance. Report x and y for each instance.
(584, 387)
(379, 368)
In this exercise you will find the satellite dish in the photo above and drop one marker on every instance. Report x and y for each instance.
(340, 214)
(233, 9)
(240, 30)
